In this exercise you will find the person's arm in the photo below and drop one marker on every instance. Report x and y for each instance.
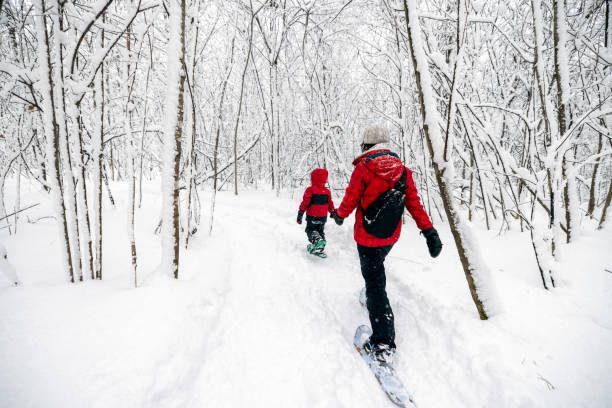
(353, 193)
(416, 210)
(304, 205)
(306, 200)
(413, 204)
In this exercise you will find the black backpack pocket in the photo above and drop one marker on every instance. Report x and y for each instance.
(381, 217)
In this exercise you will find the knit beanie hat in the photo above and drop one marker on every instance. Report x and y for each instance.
(374, 135)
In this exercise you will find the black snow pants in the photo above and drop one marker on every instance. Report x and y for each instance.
(381, 316)
(315, 228)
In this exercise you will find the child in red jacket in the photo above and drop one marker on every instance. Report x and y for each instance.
(316, 204)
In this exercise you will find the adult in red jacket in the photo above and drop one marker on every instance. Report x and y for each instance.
(317, 202)
(376, 171)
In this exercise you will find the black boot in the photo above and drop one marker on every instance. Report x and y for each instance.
(383, 353)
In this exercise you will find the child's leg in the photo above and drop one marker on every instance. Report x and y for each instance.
(322, 231)
(319, 245)
(312, 233)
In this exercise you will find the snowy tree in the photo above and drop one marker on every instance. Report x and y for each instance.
(173, 139)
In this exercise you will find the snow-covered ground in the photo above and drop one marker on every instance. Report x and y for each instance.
(255, 321)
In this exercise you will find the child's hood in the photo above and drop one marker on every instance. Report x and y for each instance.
(318, 177)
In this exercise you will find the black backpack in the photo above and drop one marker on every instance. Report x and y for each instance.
(381, 217)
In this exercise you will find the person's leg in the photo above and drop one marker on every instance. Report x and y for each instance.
(320, 245)
(322, 230)
(312, 232)
(381, 315)
(309, 234)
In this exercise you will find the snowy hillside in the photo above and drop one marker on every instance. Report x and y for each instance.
(256, 321)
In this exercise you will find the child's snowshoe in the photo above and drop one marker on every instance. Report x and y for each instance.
(317, 249)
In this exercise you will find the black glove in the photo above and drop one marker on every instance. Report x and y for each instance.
(299, 217)
(433, 241)
(339, 220)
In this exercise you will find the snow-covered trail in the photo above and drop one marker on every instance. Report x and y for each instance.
(255, 321)
(285, 326)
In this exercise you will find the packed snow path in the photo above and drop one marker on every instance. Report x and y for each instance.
(254, 321)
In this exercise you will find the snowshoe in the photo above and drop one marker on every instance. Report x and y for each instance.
(385, 374)
(317, 249)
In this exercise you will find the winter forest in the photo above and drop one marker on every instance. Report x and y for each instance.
(153, 155)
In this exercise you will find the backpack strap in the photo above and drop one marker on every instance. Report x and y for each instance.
(379, 154)
(401, 183)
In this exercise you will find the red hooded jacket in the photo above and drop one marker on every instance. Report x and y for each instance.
(370, 179)
(317, 200)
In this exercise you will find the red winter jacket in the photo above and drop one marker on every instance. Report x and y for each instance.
(317, 199)
(368, 181)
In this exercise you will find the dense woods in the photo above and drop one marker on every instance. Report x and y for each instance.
(502, 110)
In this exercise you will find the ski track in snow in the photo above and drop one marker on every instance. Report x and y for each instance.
(255, 321)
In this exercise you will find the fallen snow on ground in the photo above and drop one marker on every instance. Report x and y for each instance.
(255, 321)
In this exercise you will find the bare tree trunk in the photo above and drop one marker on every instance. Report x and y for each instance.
(550, 127)
(173, 139)
(539, 254)
(606, 206)
(144, 121)
(608, 38)
(476, 273)
(43, 165)
(562, 81)
(131, 159)
(191, 83)
(277, 132)
(111, 162)
(68, 185)
(18, 194)
(52, 135)
(482, 190)
(591, 205)
(592, 195)
(217, 137)
(82, 207)
(82, 204)
(246, 65)
(108, 190)
(98, 158)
